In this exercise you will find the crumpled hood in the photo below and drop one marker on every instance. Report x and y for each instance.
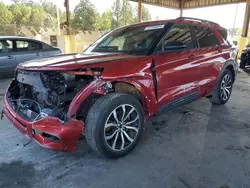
(72, 62)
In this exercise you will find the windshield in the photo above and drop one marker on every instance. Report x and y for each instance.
(134, 40)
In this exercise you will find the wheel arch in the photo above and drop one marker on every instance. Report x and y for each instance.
(140, 92)
(229, 65)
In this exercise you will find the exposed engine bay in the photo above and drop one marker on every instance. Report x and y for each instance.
(37, 94)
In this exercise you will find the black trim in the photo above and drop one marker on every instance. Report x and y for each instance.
(170, 26)
(180, 101)
(155, 80)
(197, 19)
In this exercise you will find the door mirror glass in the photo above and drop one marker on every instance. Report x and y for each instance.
(174, 45)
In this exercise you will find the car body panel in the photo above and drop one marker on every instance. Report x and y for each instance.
(177, 75)
(161, 79)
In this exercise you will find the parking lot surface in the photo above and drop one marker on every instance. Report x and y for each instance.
(195, 146)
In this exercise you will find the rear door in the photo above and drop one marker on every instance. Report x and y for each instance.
(211, 59)
(49, 51)
(177, 65)
(7, 58)
(27, 50)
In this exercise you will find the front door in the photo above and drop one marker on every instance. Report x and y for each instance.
(7, 58)
(177, 65)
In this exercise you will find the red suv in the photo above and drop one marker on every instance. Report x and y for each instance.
(107, 92)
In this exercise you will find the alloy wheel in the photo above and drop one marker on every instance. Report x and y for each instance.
(226, 87)
(122, 127)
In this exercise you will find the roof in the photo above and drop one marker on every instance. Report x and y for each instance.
(186, 4)
(187, 20)
(15, 37)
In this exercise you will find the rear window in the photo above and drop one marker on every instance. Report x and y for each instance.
(205, 37)
(225, 35)
(23, 46)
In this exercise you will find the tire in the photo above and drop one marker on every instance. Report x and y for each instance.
(102, 127)
(242, 64)
(223, 88)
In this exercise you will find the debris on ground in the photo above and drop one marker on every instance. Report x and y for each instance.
(187, 112)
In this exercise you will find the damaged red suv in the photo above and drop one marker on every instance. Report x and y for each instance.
(128, 75)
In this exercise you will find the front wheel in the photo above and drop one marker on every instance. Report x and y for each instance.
(114, 124)
(224, 89)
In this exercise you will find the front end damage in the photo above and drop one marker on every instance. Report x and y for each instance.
(43, 105)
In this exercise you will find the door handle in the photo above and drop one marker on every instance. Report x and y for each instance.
(10, 57)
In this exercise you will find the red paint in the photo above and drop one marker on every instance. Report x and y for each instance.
(68, 133)
(177, 74)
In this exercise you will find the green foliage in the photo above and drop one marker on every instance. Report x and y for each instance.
(124, 14)
(21, 14)
(84, 16)
(146, 16)
(104, 22)
(6, 16)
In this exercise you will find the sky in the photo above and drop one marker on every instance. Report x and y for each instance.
(224, 14)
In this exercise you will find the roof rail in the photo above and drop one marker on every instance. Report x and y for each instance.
(196, 19)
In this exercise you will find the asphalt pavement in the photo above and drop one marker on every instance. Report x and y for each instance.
(195, 146)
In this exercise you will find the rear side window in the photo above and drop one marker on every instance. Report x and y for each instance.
(25, 46)
(47, 47)
(205, 37)
(179, 35)
(6, 46)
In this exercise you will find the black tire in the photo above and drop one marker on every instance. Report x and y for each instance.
(99, 115)
(242, 64)
(217, 96)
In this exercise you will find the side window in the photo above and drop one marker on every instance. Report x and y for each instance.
(6, 46)
(118, 42)
(178, 38)
(24, 46)
(205, 37)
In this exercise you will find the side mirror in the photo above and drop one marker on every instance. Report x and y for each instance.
(174, 46)
(235, 43)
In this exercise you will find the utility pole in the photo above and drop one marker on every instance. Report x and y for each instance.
(66, 4)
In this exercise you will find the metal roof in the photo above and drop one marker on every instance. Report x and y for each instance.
(176, 4)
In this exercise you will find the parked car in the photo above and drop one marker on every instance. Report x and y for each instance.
(245, 57)
(120, 81)
(16, 50)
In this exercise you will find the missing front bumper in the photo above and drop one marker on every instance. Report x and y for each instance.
(64, 135)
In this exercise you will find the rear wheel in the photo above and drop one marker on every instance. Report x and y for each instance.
(224, 89)
(114, 125)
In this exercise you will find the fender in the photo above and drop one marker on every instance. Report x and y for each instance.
(228, 63)
(149, 98)
(83, 95)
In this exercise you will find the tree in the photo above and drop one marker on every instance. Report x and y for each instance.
(127, 16)
(21, 14)
(104, 21)
(39, 21)
(84, 16)
(49, 7)
(6, 16)
(116, 10)
(146, 16)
